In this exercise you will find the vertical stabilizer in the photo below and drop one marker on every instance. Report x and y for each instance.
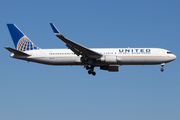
(21, 41)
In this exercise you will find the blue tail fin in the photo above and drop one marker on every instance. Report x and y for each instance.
(21, 41)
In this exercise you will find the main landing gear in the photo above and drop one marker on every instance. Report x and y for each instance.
(162, 67)
(90, 70)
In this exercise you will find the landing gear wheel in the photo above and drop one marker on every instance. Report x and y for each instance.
(162, 67)
(87, 67)
(89, 72)
(93, 73)
(90, 69)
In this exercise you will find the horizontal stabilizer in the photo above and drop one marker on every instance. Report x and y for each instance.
(16, 52)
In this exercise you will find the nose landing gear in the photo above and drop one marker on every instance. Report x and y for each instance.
(162, 67)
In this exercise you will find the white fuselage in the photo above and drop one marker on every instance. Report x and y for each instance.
(111, 56)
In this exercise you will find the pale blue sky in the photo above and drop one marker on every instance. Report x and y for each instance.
(31, 91)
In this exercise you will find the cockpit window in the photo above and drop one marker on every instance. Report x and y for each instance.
(169, 52)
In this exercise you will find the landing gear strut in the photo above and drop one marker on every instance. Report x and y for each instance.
(162, 67)
(90, 70)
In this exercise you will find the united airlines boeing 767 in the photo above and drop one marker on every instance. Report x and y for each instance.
(106, 58)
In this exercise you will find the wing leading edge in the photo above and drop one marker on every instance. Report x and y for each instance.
(75, 47)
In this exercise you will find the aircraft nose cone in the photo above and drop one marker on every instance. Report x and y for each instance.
(174, 57)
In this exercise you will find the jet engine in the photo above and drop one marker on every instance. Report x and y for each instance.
(110, 68)
(111, 59)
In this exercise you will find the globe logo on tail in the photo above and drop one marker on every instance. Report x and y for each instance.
(25, 44)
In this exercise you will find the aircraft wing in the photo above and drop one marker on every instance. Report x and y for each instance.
(75, 47)
(16, 52)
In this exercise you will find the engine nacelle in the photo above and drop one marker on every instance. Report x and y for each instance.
(111, 59)
(110, 68)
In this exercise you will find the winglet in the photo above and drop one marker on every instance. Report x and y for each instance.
(54, 29)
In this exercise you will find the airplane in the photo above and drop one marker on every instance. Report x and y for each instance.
(106, 58)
